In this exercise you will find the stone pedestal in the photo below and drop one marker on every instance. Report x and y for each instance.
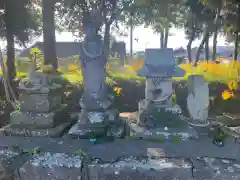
(113, 125)
(161, 123)
(41, 112)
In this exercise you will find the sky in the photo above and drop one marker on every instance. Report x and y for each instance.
(146, 39)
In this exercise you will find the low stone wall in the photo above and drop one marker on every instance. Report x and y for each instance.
(61, 159)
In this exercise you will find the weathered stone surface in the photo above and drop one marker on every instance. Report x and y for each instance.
(112, 125)
(32, 102)
(6, 157)
(198, 100)
(51, 166)
(13, 130)
(39, 120)
(163, 133)
(142, 169)
(206, 168)
(159, 90)
(160, 62)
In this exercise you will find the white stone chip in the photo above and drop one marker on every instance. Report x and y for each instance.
(56, 160)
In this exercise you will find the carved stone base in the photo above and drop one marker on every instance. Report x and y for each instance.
(152, 115)
(162, 123)
(162, 133)
(13, 130)
(39, 120)
(30, 102)
(112, 126)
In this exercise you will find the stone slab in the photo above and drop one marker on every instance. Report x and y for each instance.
(72, 166)
(51, 166)
(127, 148)
(13, 130)
(39, 102)
(115, 126)
(39, 120)
(162, 134)
(6, 158)
(215, 168)
(142, 169)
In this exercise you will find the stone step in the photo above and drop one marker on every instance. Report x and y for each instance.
(82, 165)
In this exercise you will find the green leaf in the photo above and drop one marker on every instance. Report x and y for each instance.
(36, 150)
(176, 139)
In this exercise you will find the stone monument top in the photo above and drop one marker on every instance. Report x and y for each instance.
(38, 82)
(160, 63)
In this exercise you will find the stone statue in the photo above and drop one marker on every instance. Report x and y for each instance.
(93, 64)
(95, 102)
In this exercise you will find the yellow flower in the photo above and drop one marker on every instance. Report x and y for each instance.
(137, 65)
(73, 67)
(117, 90)
(227, 95)
(107, 67)
(35, 51)
(232, 85)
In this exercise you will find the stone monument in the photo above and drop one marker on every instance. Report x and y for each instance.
(198, 101)
(41, 112)
(158, 117)
(97, 116)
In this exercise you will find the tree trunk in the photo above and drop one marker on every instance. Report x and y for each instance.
(10, 45)
(199, 50)
(166, 34)
(49, 45)
(214, 51)
(215, 34)
(207, 48)
(131, 36)
(235, 55)
(189, 46)
(106, 40)
(162, 39)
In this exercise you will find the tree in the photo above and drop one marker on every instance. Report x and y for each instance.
(231, 18)
(71, 15)
(21, 21)
(159, 15)
(49, 47)
(204, 15)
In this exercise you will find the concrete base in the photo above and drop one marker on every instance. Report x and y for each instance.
(162, 134)
(39, 120)
(114, 126)
(86, 131)
(13, 130)
(163, 129)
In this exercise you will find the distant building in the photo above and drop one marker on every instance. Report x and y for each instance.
(17, 52)
(222, 51)
(67, 49)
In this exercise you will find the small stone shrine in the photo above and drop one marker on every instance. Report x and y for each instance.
(41, 112)
(158, 116)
